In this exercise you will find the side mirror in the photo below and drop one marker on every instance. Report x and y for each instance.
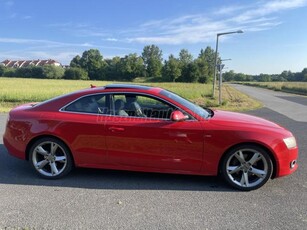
(178, 116)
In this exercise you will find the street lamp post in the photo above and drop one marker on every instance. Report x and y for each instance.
(215, 59)
(220, 66)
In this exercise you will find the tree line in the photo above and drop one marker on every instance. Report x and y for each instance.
(149, 66)
(284, 76)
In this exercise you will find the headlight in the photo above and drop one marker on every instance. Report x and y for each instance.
(290, 142)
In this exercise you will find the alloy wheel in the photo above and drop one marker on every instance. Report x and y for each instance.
(50, 158)
(247, 168)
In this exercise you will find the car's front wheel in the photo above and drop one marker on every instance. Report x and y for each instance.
(247, 167)
(50, 158)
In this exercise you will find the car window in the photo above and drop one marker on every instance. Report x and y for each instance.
(205, 113)
(137, 105)
(89, 104)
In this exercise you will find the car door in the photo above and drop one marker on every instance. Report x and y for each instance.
(152, 140)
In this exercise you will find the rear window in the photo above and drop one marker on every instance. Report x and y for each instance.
(88, 104)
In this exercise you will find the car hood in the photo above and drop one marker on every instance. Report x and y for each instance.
(235, 119)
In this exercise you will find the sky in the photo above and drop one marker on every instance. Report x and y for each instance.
(274, 35)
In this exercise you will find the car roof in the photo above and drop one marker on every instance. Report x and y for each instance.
(66, 98)
(127, 86)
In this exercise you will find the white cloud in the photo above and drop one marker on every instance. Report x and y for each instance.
(80, 29)
(13, 15)
(255, 16)
(185, 29)
(45, 43)
(112, 39)
(230, 9)
(278, 5)
(270, 7)
(27, 17)
(9, 4)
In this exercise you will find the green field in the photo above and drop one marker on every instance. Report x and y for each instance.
(15, 91)
(289, 87)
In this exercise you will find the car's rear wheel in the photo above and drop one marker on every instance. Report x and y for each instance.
(50, 158)
(247, 167)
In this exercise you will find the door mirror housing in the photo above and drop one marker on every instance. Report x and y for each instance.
(178, 116)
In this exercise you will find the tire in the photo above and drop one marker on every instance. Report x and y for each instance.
(247, 167)
(50, 158)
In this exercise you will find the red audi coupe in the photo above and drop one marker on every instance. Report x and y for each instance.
(148, 129)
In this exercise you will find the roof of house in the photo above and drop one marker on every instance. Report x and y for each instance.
(26, 63)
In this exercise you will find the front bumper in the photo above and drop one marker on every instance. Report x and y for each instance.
(287, 162)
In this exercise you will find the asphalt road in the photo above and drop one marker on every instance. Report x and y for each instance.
(102, 199)
(290, 105)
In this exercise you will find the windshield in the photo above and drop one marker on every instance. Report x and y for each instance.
(205, 113)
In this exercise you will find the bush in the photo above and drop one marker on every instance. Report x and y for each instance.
(9, 72)
(2, 70)
(76, 73)
(53, 72)
(26, 72)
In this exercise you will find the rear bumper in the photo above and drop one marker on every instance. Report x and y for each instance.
(13, 150)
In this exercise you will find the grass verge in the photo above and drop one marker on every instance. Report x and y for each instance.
(288, 87)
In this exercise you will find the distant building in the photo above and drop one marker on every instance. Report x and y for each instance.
(27, 63)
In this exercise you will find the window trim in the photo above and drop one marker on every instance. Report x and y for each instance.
(157, 98)
(62, 109)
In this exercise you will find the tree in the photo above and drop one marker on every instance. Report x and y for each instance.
(112, 70)
(205, 62)
(75, 62)
(264, 77)
(185, 57)
(53, 72)
(282, 77)
(9, 72)
(304, 74)
(248, 77)
(203, 70)
(288, 75)
(25, 72)
(152, 56)
(29, 72)
(2, 70)
(91, 61)
(37, 72)
(75, 73)
(239, 77)
(190, 73)
(229, 76)
(171, 69)
(132, 66)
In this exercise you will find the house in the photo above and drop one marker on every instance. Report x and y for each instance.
(27, 63)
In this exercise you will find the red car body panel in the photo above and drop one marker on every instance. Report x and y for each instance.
(150, 143)
(225, 132)
(143, 144)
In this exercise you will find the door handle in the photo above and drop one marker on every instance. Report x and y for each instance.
(116, 129)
